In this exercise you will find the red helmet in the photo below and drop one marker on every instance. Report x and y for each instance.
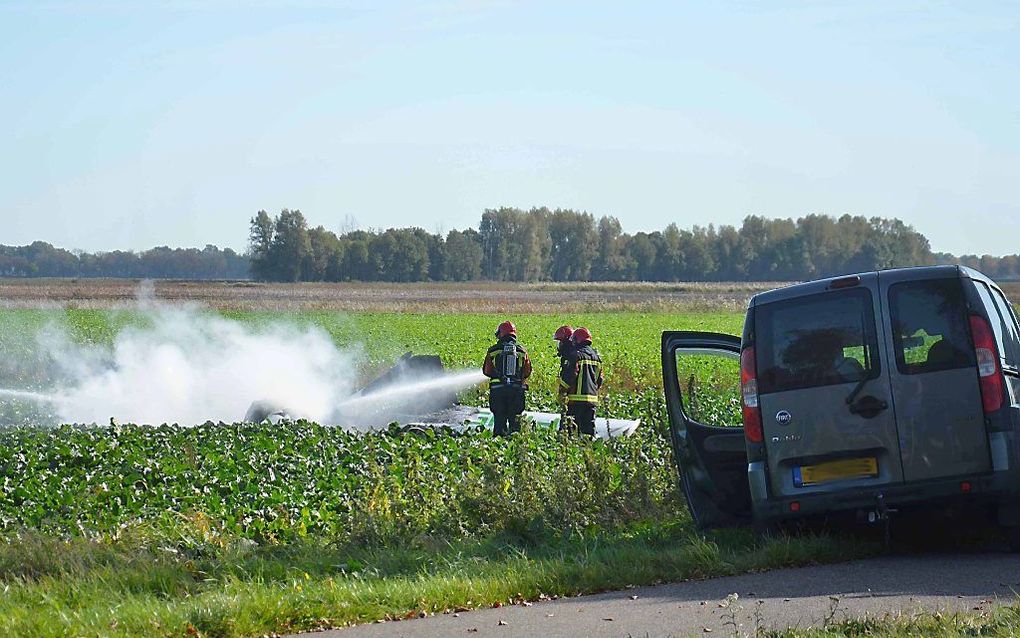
(563, 333)
(581, 336)
(506, 328)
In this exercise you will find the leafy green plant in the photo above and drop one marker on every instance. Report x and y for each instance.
(273, 483)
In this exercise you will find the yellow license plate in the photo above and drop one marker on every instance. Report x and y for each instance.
(835, 470)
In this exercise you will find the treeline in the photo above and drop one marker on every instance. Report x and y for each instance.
(1000, 268)
(511, 244)
(564, 245)
(285, 249)
(40, 259)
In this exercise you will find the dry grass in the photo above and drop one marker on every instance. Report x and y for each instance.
(480, 297)
(1012, 290)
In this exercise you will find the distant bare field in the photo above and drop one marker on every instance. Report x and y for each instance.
(484, 297)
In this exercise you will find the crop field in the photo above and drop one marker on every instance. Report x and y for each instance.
(282, 482)
(629, 342)
(235, 530)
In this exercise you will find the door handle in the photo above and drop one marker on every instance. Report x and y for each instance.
(868, 407)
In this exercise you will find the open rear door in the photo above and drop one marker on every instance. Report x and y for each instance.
(700, 373)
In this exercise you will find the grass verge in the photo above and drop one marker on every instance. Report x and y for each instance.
(999, 622)
(137, 587)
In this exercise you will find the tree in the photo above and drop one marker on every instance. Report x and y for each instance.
(462, 256)
(400, 255)
(671, 264)
(515, 245)
(260, 239)
(496, 231)
(699, 247)
(731, 255)
(357, 260)
(436, 250)
(609, 261)
(324, 256)
(573, 244)
(644, 250)
(290, 246)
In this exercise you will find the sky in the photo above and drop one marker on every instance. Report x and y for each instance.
(132, 124)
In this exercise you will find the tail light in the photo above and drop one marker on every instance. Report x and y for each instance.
(749, 393)
(989, 371)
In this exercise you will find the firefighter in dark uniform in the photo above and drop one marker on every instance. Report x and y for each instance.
(565, 351)
(583, 380)
(508, 367)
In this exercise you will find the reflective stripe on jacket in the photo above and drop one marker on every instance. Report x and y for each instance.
(583, 376)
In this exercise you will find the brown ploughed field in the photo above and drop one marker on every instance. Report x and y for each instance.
(481, 297)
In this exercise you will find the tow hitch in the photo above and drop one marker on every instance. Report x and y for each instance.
(881, 514)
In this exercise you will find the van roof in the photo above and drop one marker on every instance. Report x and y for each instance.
(821, 285)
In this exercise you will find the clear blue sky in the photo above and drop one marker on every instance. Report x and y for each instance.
(128, 124)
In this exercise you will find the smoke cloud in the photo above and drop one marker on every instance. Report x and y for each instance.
(186, 365)
(189, 366)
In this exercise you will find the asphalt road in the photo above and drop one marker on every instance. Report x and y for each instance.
(782, 598)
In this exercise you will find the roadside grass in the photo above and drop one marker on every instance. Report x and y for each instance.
(998, 622)
(140, 586)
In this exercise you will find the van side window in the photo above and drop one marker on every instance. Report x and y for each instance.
(1010, 342)
(931, 331)
(817, 340)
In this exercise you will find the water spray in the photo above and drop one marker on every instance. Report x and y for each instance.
(25, 395)
(405, 399)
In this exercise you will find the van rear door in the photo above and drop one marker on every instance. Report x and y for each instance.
(701, 379)
(934, 376)
(824, 391)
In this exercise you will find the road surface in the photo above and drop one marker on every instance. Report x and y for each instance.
(800, 597)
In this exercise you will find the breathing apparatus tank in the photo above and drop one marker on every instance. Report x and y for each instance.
(509, 370)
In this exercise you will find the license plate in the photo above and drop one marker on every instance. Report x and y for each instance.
(835, 471)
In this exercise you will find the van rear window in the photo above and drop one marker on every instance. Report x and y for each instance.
(931, 331)
(818, 340)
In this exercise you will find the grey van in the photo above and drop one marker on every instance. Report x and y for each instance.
(865, 393)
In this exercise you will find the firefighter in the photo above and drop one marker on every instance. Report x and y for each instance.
(565, 351)
(508, 367)
(583, 380)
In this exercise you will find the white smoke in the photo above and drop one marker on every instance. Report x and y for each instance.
(189, 366)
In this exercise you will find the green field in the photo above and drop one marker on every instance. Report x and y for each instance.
(236, 530)
(628, 341)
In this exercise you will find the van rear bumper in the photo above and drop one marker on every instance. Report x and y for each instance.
(991, 488)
